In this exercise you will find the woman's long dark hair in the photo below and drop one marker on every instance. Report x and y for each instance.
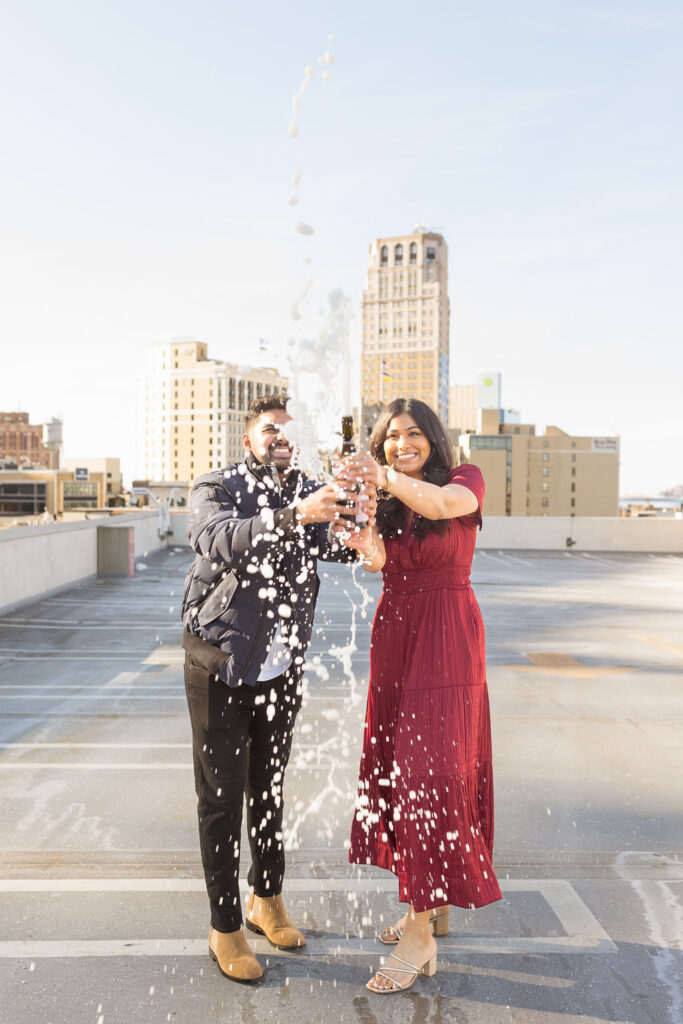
(391, 513)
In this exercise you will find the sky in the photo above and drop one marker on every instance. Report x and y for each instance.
(146, 167)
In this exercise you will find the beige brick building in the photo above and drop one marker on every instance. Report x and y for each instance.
(31, 492)
(405, 311)
(96, 466)
(192, 410)
(553, 474)
(22, 442)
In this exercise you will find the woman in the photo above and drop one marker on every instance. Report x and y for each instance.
(425, 800)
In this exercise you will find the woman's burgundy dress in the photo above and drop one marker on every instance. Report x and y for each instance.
(425, 795)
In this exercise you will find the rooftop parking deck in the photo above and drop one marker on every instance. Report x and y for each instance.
(102, 900)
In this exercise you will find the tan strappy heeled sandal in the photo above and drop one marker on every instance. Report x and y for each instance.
(393, 933)
(428, 969)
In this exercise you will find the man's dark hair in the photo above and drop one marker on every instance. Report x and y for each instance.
(265, 404)
(391, 513)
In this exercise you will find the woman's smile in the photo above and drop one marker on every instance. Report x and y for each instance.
(406, 448)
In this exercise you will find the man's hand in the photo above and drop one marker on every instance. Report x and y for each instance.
(322, 506)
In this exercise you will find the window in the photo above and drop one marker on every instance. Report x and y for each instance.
(431, 255)
(573, 487)
(544, 485)
(573, 503)
(573, 459)
(23, 498)
(413, 252)
(545, 444)
(544, 471)
(544, 502)
(398, 255)
(384, 256)
(79, 495)
(545, 456)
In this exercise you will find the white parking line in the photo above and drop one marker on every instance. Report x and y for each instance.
(594, 558)
(157, 766)
(516, 558)
(583, 931)
(74, 626)
(66, 745)
(495, 558)
(86, 686)
(162, 695)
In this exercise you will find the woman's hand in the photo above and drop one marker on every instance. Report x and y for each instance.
(360, 539)
(362, 468)
(365, 541)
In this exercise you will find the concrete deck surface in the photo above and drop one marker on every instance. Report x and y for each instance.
(102, 905)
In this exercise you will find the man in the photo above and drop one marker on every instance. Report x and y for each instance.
(257, 528)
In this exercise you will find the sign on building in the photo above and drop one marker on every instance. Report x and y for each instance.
(605, 444)
(81, 473)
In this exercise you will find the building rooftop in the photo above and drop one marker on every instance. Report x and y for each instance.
(101, 889)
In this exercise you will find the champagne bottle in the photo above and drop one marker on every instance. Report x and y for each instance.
(360, 517)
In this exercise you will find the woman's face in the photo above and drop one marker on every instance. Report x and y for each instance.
(406, 448)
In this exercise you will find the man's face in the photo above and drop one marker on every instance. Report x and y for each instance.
(266, 440)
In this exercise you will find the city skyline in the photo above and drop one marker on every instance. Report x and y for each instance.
(150, 168)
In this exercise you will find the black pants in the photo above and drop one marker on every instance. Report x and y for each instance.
(242, 737)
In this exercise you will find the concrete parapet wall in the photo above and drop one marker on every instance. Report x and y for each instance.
(37, 560)
(549, 533)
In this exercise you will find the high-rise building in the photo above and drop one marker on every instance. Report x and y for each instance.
(405, 309)
(553, 474)
(489, 391)
(193, 410)
(463, 408)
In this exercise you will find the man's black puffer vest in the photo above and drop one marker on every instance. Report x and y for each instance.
(255, 568)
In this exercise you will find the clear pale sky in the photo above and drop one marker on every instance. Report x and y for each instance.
(146, 168)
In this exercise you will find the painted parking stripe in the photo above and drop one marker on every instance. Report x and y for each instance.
(32, 625)
(157, 766)
(162, 695)
(66, 745)
(583, 930)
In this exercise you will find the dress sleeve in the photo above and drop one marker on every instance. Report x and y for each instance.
(470, 477)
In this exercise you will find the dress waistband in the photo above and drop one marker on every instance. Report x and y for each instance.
(413, 581)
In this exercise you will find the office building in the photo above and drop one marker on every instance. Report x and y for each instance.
(32, 492)
(465, 402)
(193, 408)
(405, 329)
(463, 408)
(22, 442)
(552, 474)
(91, 467)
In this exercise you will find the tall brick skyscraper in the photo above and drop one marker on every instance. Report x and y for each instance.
(405, 342)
